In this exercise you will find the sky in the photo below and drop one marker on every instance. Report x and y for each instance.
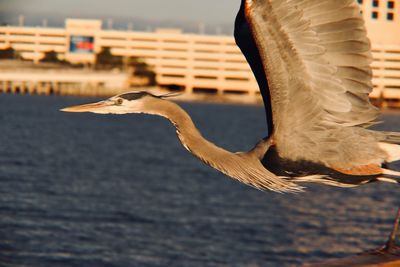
(210, 12)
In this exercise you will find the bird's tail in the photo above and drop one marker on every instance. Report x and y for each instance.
(392, 150)
(389, 176)
(390, 137)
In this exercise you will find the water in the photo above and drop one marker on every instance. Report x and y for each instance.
(101, 190)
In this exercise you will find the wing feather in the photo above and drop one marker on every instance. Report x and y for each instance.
(321, 7)
(336, 26)
(346, 35)
(317, 58)
(332, 16)
(348, 59)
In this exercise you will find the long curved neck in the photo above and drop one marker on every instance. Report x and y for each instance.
(245, 167)
(191, 138)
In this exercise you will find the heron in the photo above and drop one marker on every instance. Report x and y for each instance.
(311, 60)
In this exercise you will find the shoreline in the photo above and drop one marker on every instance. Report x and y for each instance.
(242, 100)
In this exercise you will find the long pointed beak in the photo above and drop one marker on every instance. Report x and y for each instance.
(93, 107)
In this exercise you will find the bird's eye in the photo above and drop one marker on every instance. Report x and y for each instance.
(119, 101)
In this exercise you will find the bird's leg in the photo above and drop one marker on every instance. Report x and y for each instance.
(391, 243)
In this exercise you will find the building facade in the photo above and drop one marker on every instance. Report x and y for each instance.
(382, 19)
(199, 63)
(192, 62)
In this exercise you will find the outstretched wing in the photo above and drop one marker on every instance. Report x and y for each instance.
(317, 58)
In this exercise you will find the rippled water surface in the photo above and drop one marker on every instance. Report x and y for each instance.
(103, 190)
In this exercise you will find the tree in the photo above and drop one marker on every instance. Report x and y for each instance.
(50, 57)
(106, 60)
(8, 53)
(142, 69)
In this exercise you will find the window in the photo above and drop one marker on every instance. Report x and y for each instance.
(375, 3)
(375, 15)
(390, 16)
(390, 4)
(205, 77)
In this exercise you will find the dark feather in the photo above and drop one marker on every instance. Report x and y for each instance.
(284, 167)
(134, 95)
(245, 40)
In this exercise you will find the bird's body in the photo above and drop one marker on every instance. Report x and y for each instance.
(312, 62)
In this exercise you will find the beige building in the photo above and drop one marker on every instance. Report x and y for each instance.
(199, 63)
(382, 19)
(193, 62)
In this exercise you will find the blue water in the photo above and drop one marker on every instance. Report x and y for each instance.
(104, 190)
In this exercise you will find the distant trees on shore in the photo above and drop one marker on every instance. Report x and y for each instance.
(104, 60)
(9, 53)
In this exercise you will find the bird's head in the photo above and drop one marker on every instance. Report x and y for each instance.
(131, 102)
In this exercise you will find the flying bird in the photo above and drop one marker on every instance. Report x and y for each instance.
(311, 59)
